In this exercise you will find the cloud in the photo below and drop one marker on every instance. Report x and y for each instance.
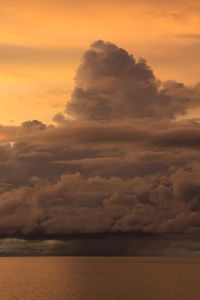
(104, 244)
(118, 161)
(75, 204)
(35, 124)
(111, 84)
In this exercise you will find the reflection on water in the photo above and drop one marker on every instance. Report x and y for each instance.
(86, 278)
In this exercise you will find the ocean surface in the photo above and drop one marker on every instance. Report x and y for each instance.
(95, 278)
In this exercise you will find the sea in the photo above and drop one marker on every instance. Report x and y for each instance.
(95, 278)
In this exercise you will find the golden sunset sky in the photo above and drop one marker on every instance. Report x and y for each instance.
(41, 44)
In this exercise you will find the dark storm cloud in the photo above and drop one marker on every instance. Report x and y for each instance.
(75, 204)
(118, 160)
(104, 245)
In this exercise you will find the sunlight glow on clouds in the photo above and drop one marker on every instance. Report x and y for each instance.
(41, 44)
(98, 142)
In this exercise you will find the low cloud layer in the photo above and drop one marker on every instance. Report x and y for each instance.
(75, 204)
(119, 160)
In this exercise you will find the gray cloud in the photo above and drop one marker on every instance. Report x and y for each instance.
(34, 124)
(118, 161)
(110, 84)
(75, 204)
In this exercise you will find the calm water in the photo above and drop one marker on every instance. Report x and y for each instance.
(99, 278)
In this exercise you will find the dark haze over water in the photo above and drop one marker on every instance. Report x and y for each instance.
(105, 278)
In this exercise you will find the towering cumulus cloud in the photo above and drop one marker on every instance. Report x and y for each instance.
(110, 84)
(123, 157)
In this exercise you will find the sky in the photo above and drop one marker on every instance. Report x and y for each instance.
(99, 128)
(41, 43)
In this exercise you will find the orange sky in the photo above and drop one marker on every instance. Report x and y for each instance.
(41, 43)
